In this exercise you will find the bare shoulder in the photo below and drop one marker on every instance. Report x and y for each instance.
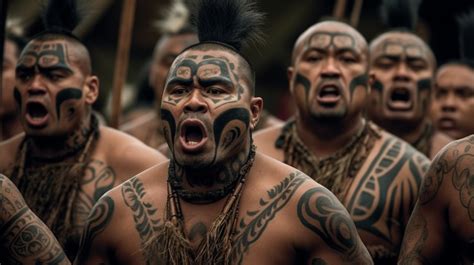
(305, 213)
(126, 154)
(451, 169)
(439, 141)
(139, 125)
(412, 162)
(265, 141)
(8, 152)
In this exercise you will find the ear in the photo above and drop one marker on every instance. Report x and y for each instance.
(290, 72)
(256, 107)
(91, 89)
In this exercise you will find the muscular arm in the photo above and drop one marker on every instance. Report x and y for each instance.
(321, 212)
(444, 196)
(24, 239)
(93, 247)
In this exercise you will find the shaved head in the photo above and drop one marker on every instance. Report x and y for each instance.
(333, 27)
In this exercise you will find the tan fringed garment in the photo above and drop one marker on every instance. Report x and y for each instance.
(171, 246)
(334, 172)
(50, 187)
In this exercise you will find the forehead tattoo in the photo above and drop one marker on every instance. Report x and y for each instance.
(45, 55)
(208, 71)
(398, 49)
(324, 40)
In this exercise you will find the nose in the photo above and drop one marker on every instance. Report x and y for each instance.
(402, 73)
(330, 69)
(36, 87)
(195, 103)
(448, 104)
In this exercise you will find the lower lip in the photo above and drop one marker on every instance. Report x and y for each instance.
(194, 147)
(328, 100)
(37, 122)
(399, 105)
(446, 124)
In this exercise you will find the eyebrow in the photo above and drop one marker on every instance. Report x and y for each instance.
(215, 80)
(180, 81)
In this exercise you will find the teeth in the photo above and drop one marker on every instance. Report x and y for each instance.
(192, 143)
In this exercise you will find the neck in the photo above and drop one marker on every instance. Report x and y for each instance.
(410, 132)
(61, 146)
(9, 126)
(219, 178)
(324, 138)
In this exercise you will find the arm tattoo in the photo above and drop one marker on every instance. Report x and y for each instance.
(415, 237)
(144, 214)
(24, 238)
(456, 162)
(249, 232)
(322, 213)
(99, 218)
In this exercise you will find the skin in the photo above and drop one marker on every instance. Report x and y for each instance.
(401, 60)
(9, 118)
(20, 227)
(380, 186)
(148, 123)
(278, 220)
(145, 127)
(115, 157)
(441, 228)
(453, 100)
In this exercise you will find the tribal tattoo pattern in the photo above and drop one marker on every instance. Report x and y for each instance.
(99, 218)
(252, 226)
(455, 164)
(98, 178)
(144, 213)
(210, 71)
(322, 213)
(24, 238)
(384, 196)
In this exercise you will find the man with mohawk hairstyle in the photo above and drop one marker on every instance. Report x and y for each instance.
(65, 161)
(401, 76)
(374, 174)
(177, 34)
(218, 201)
(441, 227)
(453, 100)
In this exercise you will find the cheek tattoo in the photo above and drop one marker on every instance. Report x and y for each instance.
(361, 80)
(170, 131)
(302, 80)
(66, 94)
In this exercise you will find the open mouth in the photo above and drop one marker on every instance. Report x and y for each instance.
(446, 123)
(400, 99)
(193, 135)
(36, 114)
(329, 95)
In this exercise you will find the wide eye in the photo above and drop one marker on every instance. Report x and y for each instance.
(55, 76)
(385, 63)
(418, 65)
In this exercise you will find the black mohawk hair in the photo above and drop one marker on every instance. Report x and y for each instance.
(61, 16)
(232, 22)
(400, 13)
(466, 35)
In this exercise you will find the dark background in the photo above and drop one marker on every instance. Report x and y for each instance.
(285, 21)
